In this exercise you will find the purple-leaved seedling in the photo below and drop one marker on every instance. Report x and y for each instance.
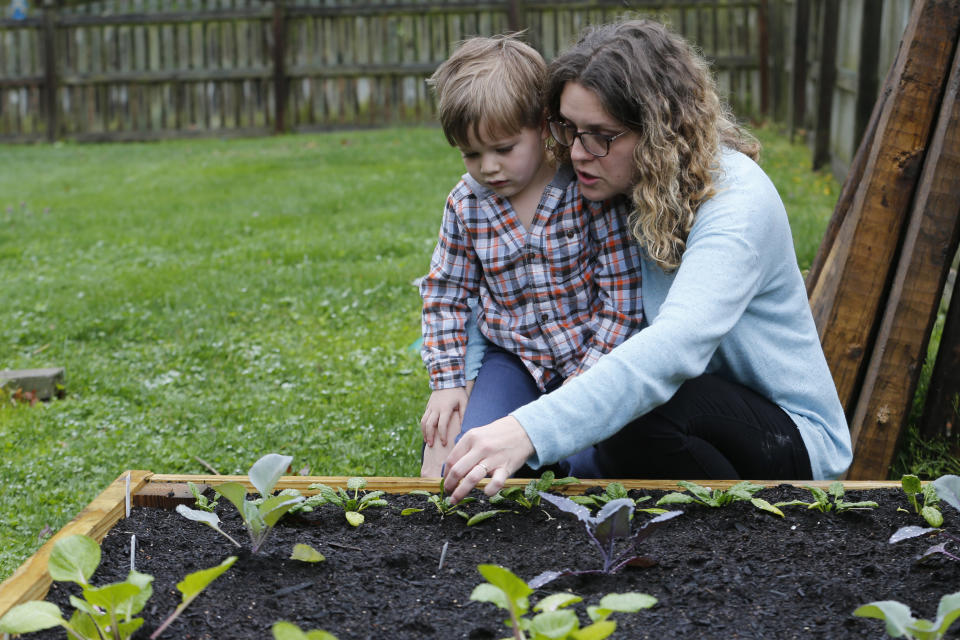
(613, 522)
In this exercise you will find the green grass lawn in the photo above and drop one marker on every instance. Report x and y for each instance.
(218, 300)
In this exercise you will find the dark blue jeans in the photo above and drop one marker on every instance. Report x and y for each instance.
(711, 429)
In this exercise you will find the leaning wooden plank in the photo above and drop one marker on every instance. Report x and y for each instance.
(852, 288)
(31, 580)
(928, 247)
(941, 415)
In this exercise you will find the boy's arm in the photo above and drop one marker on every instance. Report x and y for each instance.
(618, 286)
(445, 289)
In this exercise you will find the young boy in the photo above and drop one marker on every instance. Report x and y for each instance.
(558, 279)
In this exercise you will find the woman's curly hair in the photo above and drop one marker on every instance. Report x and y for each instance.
(654, 82)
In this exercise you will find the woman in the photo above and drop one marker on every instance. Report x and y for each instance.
(727, 379)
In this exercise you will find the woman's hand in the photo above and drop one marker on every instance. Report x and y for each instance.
(444, 414)
(497, 450)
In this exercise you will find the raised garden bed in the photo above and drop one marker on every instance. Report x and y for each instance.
(732, 572)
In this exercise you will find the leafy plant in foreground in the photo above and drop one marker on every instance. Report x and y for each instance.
(742, 491)
(104, 613)
(927, 509)
(613, 522)
(351, 505)
(901, 624)
(554, 622)
(259, 516)
(613, 491)
(822, 500)
(289, 631)
(445, 507)
(528, 496)
(948, 489)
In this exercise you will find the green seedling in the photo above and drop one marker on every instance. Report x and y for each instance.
(740, 492)
(289, 631)
(822, 500)
(948, 489)
(613, 491)
(444, 507)
(306, 553)
(923, 498)
(259, 516)
(190, 587)
(528, 496)
(901, 624)
(555, 621)
(200, 501)
(103, 613)
(351, 505)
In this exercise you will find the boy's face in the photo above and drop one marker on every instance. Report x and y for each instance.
(507, 164)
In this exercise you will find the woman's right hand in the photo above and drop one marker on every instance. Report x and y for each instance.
(498, 449)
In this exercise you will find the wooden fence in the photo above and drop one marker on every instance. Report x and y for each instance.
(825, 67)
(143, 69)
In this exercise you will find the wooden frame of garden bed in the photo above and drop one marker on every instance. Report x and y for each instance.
(31, 580)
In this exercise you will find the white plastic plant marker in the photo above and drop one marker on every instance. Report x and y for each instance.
(133, 552)
(126, 497)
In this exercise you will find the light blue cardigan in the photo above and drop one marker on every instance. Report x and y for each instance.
(736, 307)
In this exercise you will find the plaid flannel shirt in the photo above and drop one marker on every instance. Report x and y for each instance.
(558, 296)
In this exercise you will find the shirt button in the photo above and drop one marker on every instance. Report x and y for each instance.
(570, 233)
(544, 317)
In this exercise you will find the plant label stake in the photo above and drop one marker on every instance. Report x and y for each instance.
(133, 551)
(126, 500)
(443, 555)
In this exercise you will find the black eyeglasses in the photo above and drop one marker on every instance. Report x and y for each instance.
(596, 144)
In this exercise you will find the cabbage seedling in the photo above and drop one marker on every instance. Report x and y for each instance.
(445, 507)
(900, 623)
(554, 622)
(104, 613)
(612, 523)
(259, 517)
(948, 489)
(742, 491)
(351, 505)
(822, 500)
(927, 509)
(528, 496)
(613, 491)
(289, 631)
(200, 501)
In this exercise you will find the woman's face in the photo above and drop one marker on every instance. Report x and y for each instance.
(611, 175)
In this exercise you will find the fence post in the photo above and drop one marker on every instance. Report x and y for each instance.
(515, 21)
(798, 76)
(764, 54)
(826, 80)
(50, 19)
(869, 68)
(279, 66)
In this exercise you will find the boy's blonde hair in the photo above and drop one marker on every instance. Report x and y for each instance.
(490, 86)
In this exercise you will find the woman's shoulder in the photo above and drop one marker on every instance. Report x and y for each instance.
(745, 202)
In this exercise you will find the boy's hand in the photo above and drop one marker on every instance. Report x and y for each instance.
(443, 415)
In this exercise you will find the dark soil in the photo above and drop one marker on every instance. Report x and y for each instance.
(733, 572)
